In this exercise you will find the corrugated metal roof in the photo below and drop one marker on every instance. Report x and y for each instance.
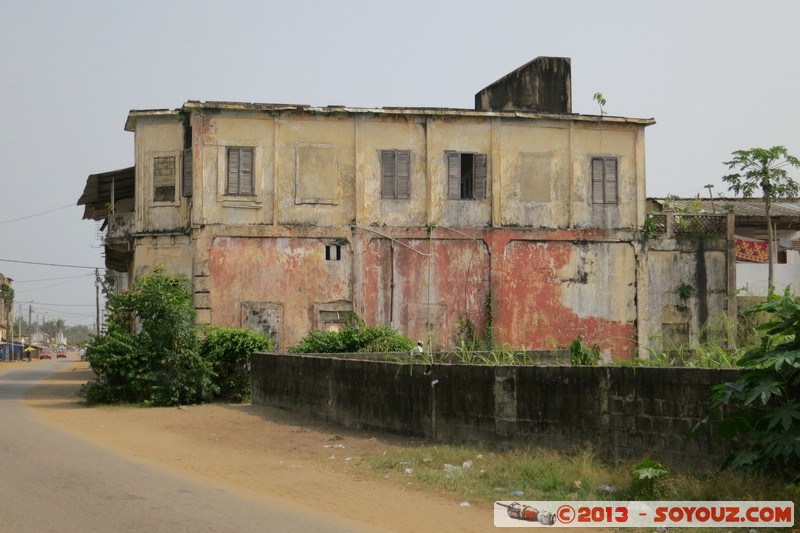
(97, 192)
(741, 207)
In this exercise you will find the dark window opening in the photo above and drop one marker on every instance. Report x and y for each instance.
(333, 252)
(466, 176)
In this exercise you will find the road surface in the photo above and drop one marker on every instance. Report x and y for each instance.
(52, 481)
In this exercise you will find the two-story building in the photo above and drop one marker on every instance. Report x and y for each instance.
(518, 215)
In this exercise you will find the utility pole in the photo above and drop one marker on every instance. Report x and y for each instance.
(709, 187)
(97, 300)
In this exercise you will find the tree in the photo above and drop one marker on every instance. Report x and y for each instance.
(764, 169)
(149, 353)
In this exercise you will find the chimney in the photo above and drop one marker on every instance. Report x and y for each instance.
(543, 85)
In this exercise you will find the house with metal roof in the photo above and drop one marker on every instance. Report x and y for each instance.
(750, 234)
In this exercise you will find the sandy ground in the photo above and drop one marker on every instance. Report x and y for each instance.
(257, 451)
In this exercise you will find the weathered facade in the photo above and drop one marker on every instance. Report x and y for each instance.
(519, 215)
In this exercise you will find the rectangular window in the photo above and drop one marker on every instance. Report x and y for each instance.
(333, 252)
(240, 172)
(164, 179)
(395, 170)
(466, 176)
(186, 176)
(604, 180)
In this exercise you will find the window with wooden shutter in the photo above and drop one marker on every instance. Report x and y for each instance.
(395, 173)
(186, 175)
(164, 179)
(467, 176)
(240, 171)
(604, 180)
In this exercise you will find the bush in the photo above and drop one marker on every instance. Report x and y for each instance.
(760, 411)
(228, 352)
(150, 351)
(354, 338)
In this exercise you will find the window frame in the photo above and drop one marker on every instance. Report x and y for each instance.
(395, 166)
(604, 186)
(478, 186)
(154, 161)
(247, 173)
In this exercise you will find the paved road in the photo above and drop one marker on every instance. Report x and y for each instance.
(51, 481)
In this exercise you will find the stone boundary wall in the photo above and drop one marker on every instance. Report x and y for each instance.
(621, 412)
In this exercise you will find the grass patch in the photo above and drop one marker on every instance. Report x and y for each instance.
(480, 475)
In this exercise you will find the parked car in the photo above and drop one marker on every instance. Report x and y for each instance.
(45, 355)
(61, 354)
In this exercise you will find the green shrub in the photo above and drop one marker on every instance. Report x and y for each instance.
(228, 351)
(149, 353)
(354, 338)
(579, 354)
(760, 411)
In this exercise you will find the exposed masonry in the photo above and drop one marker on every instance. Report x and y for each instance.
(620, 412)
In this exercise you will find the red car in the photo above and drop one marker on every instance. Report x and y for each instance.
(45, 355)
(61, 354)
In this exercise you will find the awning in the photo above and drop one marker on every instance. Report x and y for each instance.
(101, 187)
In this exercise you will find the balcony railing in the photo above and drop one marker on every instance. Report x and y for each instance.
(120, 226)
(698, 224)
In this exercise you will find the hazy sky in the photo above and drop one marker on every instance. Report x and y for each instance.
(716, 75)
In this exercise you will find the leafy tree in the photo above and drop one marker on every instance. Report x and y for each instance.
(764, 170)
(760, 411)
(228, 350)
(150, 351)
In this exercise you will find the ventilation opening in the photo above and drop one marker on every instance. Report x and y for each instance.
(333, 252)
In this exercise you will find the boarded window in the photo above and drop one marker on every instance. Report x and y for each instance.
(264, 317)
(186, 176)
(466, 176)
(317, 180)
(395, 171)
(164, 179)
(536, 177)
(240, 171)
(604, 180)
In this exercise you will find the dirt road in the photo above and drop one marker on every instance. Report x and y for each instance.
(261, 452)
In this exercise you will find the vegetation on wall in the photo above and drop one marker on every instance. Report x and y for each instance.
(355, 336)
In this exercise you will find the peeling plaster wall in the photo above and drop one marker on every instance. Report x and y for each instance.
(291, 274)
(374, 134)
(698, 314)
(174, 253)
(158, 137)
(552, 291)
(212, 136)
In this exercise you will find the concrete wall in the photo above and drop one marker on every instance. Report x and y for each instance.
(621, 412)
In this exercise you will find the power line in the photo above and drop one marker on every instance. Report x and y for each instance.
(49, 264)
(17, 281)
(37, 214)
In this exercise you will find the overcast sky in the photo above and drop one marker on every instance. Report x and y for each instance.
(715, 75)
